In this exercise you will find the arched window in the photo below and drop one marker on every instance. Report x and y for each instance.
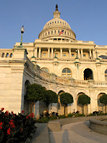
(66, 72)
(7, 55)
(88, 74)
(106, 75)
(48, 32)
(11, 55)
(2, 55)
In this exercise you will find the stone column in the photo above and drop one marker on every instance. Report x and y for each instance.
(78, 54)
(60, 52)
(35, 53)
(39, 52)
(81, 53)
(93, 104)
(48, 52)
(93, 54)
(51, 52)
(90, 54)
(70, 53)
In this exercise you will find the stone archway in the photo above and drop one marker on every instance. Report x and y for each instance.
(101, 107)
(79, 107)
(88, 74)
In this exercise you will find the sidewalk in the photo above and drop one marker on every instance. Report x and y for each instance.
(41, 135)
(78, 132)
(74, 130)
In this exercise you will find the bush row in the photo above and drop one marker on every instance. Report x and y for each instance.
(47, 119)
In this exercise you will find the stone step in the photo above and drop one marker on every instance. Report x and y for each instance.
(75, 138)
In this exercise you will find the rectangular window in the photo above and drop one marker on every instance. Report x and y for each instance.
(84, 55)
(72, 55)
(64, 55)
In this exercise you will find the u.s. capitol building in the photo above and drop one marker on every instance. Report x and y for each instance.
(59, 62)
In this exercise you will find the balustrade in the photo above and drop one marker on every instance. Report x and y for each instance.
(67, 81)
(6, 53)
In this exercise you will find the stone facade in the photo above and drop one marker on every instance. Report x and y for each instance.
(59, 62)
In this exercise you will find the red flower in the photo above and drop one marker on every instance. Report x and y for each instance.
(21, 130)
(11, 123)
(6, 113)
(12, 112)
(8, 131)
(27, 117)
(2, 109)
(1, 125)
(32, 115)
(22, 111)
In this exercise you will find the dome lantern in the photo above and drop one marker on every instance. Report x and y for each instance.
(56, 12)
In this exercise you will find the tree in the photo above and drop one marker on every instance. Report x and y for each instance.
(51, 97)
(35, 92)
(66, 98)
(83, 100)
(103, 99)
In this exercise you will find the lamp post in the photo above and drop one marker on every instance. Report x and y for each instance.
(22, 31)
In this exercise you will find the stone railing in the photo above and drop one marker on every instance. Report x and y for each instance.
(51, 77)
(30, 66)
(6, 53)
(100, 84)
(103, 60)
(88, 60)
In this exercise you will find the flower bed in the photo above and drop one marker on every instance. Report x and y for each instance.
(15, 128)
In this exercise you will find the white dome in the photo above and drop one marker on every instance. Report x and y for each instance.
(57, 22)
(54, 26)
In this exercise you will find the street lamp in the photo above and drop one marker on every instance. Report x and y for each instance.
(22, 31)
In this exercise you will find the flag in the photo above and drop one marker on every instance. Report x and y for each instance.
(61, 32)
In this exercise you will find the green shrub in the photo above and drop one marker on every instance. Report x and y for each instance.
(52, 118)
(79, 115)
(102, 114)
(70, 115)
(15, 128)
(91, 114)
(61, 116)
(43, 120)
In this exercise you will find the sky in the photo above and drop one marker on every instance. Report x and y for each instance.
(87, 18)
